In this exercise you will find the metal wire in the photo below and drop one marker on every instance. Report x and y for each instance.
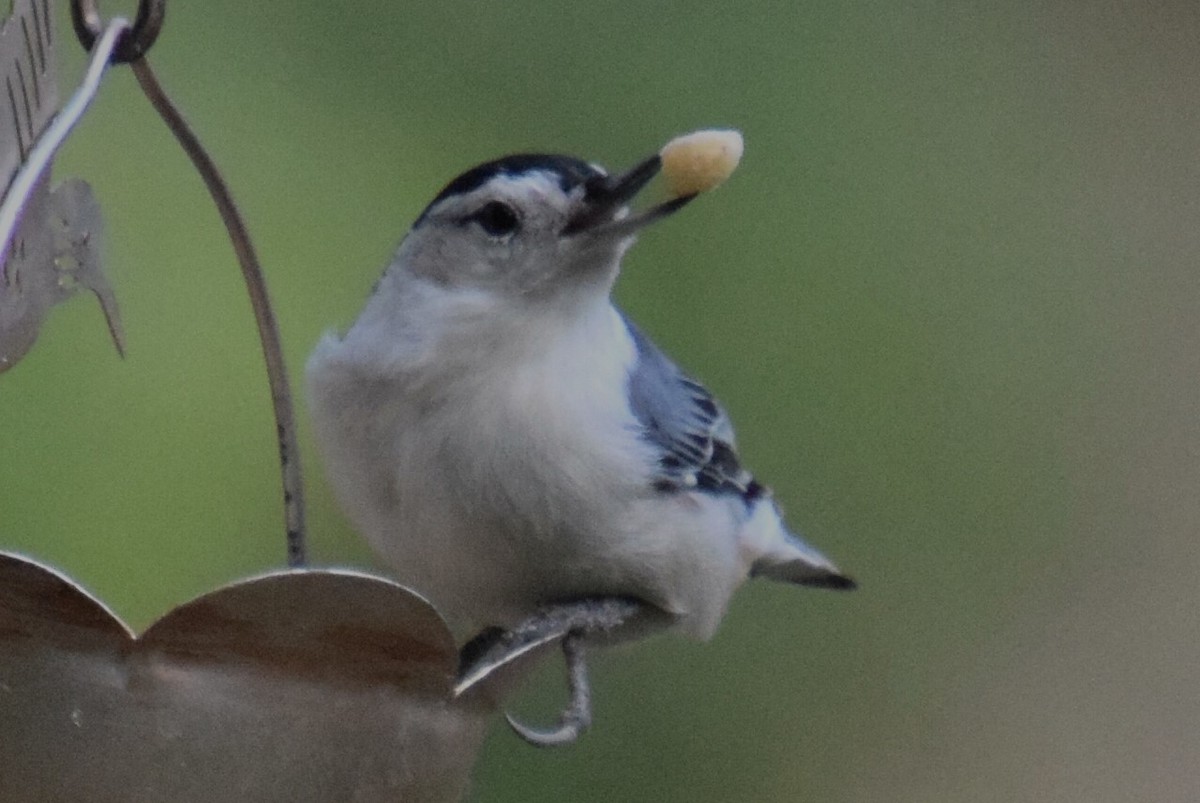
(13, 206)
(268, 330)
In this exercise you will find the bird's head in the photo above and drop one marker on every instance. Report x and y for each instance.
(531, 226)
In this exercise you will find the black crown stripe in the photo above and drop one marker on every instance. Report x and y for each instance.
(571, 173)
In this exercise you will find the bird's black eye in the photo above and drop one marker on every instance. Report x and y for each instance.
(497, 219)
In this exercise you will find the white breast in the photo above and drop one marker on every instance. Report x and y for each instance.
(483, 486)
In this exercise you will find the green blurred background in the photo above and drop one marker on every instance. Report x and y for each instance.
(949, 298)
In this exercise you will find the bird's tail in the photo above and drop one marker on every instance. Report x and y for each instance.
(788, 558)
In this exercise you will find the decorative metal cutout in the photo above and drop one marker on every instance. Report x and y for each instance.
(55, 249)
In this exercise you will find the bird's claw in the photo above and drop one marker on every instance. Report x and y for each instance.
(577, 716)
(571, 623)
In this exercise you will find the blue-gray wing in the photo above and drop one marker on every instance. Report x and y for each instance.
(680, 417)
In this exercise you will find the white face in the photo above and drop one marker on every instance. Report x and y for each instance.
(506, 236)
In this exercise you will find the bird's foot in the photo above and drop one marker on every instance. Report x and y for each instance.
(577, 716)
(569, 623)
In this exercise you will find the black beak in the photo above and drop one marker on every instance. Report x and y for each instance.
(605, 195)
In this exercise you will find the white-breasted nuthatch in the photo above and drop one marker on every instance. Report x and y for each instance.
(508, 441)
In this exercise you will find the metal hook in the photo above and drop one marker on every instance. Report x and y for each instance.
(85, 17)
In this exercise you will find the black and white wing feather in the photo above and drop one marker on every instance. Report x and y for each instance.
(696, 452)
(683, 419)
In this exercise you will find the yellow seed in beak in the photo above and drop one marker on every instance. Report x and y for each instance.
(700, 161)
